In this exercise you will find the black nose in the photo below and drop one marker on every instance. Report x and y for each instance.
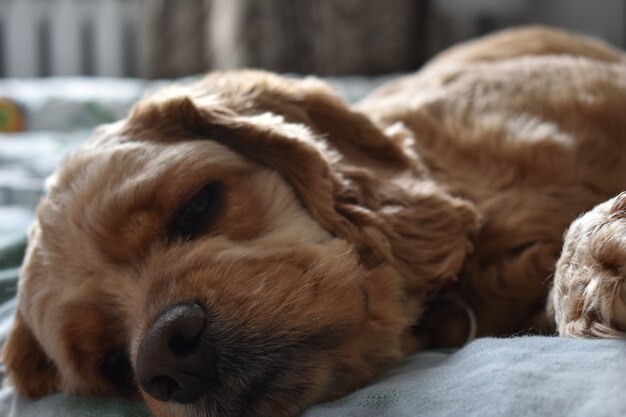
(173, 363)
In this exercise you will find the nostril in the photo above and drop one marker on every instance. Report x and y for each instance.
(173, 362)
(161, 387)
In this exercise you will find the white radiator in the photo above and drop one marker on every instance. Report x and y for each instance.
(69, 37)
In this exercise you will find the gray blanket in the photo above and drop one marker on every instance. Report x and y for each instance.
(524, 376)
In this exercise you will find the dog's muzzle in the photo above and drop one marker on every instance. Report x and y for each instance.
(173, 363)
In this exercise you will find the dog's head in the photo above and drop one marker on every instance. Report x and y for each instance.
(219, 252)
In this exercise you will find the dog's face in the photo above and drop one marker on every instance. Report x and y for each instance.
(195, 256)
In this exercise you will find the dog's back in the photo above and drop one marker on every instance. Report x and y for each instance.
(529, 125)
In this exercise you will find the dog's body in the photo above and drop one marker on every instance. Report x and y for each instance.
(528, 128)
(295, 241)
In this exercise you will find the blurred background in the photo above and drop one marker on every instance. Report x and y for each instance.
(167, 38)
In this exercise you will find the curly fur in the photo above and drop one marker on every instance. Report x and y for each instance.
(347, 237)
(589, 295)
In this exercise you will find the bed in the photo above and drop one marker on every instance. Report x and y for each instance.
(515, 376)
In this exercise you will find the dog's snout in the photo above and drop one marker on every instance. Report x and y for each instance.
(173, 362)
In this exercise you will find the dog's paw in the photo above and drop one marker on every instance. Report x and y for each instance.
(589, 294)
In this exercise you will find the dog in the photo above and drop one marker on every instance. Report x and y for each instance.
(251, 245)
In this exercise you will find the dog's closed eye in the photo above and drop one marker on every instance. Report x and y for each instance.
(194, 218)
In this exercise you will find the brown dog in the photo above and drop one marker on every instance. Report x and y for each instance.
(251, 245)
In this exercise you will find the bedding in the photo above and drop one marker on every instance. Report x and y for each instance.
(489, 377)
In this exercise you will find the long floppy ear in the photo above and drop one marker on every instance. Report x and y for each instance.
(332, 156)
(222, 105)
(28, 368)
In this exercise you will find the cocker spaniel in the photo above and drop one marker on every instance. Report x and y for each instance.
(251, 245)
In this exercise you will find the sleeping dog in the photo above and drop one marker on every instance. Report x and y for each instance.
(251, 245)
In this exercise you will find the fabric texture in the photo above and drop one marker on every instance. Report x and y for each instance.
(521, 376)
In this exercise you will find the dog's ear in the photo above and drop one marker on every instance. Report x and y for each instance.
(422, 228)
(28, 368)
(332, 156)
(236, 109)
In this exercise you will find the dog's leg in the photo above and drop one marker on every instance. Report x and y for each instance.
(589, 294)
